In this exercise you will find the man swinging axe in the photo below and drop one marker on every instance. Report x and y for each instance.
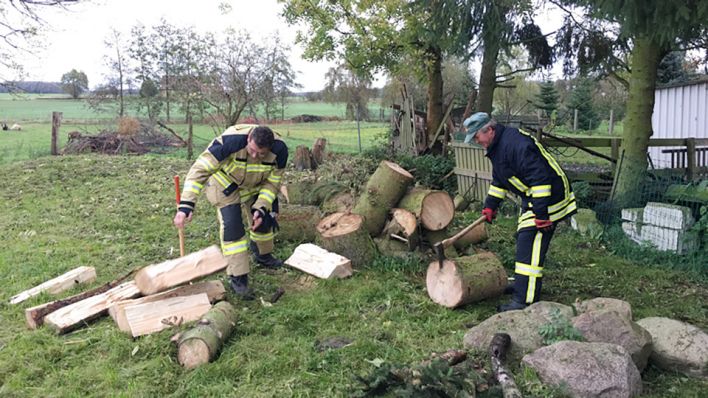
(521, 165)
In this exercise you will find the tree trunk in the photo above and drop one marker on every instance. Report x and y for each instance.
(342, 202)
(199, 345)
(318, 152)
(471, 104)
(435, 93)
(298, 223)
(475, 235)
(645, 60)
(383, 190)
(465, 280)
(346, 235)
(492, 43)
(403, 225)
(303, 158)
(434, 209)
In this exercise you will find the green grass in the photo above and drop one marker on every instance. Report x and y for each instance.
(114, 213)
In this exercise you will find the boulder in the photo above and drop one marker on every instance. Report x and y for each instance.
(678, 346)
(546, 309)
(612, 327)
(585, 222)
(605, 304)
(587, 370)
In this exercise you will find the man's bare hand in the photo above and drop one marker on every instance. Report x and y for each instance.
(257, 220)
(181, 219)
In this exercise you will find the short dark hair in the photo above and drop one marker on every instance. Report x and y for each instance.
(263, 137)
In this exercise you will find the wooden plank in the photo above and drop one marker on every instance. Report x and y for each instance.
(72, 316)
(154, 316)
(214, 290)
(158, 277)
(691, 158)
(319, 262)
(59, 284)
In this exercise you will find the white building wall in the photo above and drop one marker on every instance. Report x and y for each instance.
(679, 112)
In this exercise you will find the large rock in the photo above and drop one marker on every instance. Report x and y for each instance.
(605, 304)
(547, 309)
(585, 222)
(678, 346)
(587, 370)
(612, 327)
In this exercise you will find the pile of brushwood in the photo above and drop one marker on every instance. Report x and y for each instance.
(140, 139)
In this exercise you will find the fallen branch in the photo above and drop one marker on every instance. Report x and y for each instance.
(497, 349)
(174, 133)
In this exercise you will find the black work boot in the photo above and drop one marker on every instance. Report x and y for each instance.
(268, 261)
(511, 306)
(239, 284)
(254, 248)
(509, 289)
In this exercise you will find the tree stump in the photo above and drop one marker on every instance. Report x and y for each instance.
(383, 190)
(298, 223)
(344, 234)
(318, 152)
(199, 345)
(303, 158)
(475, 235)
(435, 209)
(403, 227)
(465, 280)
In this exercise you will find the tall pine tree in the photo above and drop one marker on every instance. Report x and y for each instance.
(581, 99)
(547, 98)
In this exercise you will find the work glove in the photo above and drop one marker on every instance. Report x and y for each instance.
(544, 225)
(489, 214)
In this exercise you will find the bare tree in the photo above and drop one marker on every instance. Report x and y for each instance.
(118, 79)
(344, 85)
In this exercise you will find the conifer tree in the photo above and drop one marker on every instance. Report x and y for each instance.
(547, 98)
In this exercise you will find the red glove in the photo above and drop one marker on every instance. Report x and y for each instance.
(489, 213)
(544, 225)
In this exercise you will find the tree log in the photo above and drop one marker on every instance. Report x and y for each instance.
(403, 224)
(59, 284)
(147, 318)
(497, 350)
(465, 280)
(461, 203)
(158, 277)
(475, 235)
(342, 202)
(433, 237)
(303, 158)
(344, 234)
(298, 223)
(202, 343)
(434, 209)
(383, 190)
(319, 262)
(318, 152)
(394, 248)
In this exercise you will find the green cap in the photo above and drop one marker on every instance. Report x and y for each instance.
(474, 123)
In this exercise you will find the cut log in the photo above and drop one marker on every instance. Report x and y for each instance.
(318, 152)
(344, 234)
(201, 344)
(147, 318)
(72, 316)
(298, 223)
(319, 262)
(394, 248)
(461, 203)
(59, 284)
(403, 224)
(303, 158)
(465, 279)
(35, 315)
(158, 277)
(313, 193)
(342, 202)
(433, 237)
(434, 209)
(475, 235)
(214, 290)
(383, 190)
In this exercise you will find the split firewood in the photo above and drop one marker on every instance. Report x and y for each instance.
(345, 234)
(298, 223)
(158, 277)
(72, 316)
(383, 190)
(319, 262)
(151, 317)
(465, 280)
(201, 344)
(403, 226)
(214, 290)
(59, 284)
(435, 209)
(497, 351)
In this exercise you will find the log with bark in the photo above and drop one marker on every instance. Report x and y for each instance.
(465, 280)
(430, 238)
(345, 234)
(497, 351)
(403, 226)
(435, 209)
(461, 203)
(342, 202)
(201, 344)
(303, 158)
(394, 248)
(158, 277)
(298, 223)
(214, 290)
(383, 190)
(318, 152)
(59, 284)
(319, 262)
(151, 317)
(311, 193)
(476, 235)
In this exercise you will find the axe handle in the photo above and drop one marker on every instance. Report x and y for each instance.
(447, 242)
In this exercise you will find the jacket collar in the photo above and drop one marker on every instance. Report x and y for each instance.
(498, 131)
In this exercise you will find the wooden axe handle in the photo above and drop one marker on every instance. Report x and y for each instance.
(447, 242)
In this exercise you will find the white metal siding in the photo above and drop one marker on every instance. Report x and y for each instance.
(679, 112)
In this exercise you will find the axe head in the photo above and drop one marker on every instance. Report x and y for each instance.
(439, 252)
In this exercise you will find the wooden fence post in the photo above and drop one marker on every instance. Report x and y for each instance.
(575, 120)
(56, 123)
(611, 127)
(691, 158)
(615, 145)
(190, 135)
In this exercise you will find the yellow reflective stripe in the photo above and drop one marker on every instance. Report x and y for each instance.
(235, 164)
(526, 224)
(267, 195)
(571, 207)
(193, 186)
(536, 249)
(528, 270)
(234, 248)
(274, 178)
(554, 208)
(526, 216)
(247, 194)
(222, 178)
(255, 236)
(208, 165)
(552, 162)
(541, 191)
(531, 289)
(258, 168)
(519, 185)
(496, 192)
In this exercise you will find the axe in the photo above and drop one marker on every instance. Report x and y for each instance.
(440, 247)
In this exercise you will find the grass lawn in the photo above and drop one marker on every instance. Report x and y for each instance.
(114, 213)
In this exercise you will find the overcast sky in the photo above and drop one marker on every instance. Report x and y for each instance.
(75, 39)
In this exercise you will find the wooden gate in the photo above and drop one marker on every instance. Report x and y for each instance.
(473, 170)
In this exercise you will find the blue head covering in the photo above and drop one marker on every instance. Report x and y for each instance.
(474, 123)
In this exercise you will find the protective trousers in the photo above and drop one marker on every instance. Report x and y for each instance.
(531, 248)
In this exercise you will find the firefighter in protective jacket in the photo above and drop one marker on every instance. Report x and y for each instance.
(240, 170)
(521, 165)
